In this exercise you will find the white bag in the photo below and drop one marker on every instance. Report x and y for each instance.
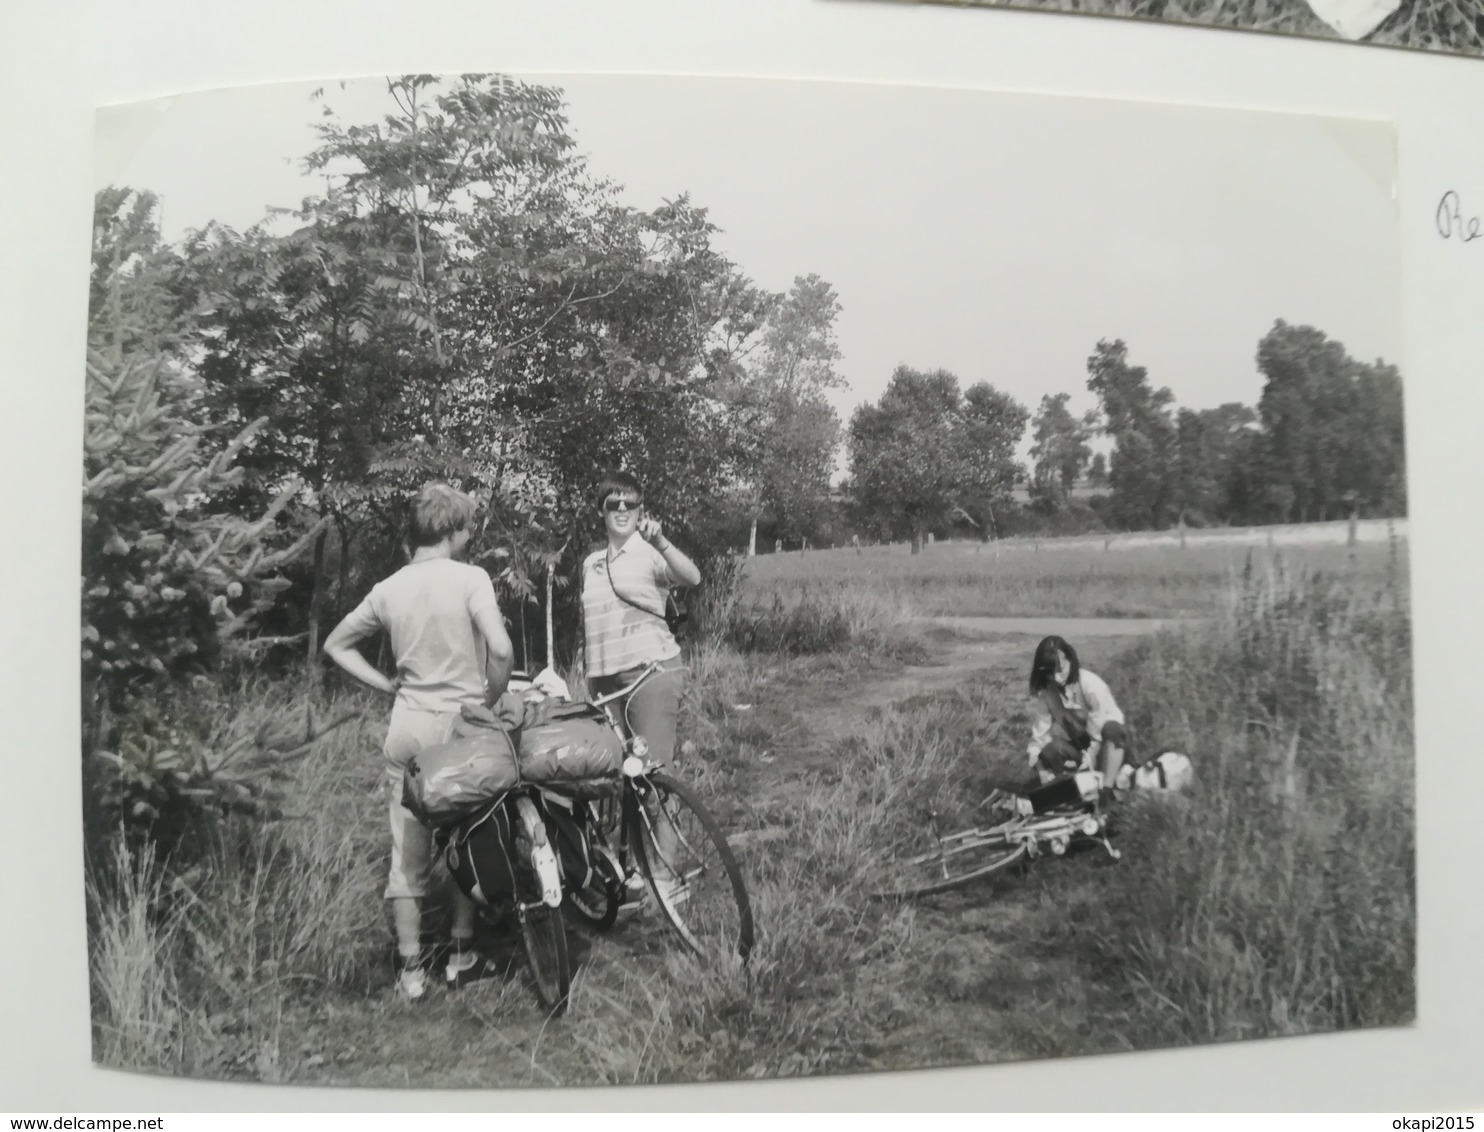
(1169, 771)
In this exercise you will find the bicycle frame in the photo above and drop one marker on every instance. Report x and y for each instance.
(636, 769)
(1053, 832)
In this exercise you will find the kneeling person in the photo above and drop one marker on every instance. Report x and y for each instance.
(1076, 722)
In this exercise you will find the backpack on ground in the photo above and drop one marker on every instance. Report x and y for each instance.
(1170, 771)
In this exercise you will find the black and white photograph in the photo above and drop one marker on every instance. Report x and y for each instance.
(641, 579)
(1454, 27)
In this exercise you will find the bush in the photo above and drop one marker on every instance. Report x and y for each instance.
(197, 955)
(822, 618)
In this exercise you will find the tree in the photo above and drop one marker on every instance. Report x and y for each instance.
(993, 423)
(1136, 415)
(794, 431)
(1097, 471)
(465, 302)
(925, 451)
(1332, 426)
(172, 578)
(1060, 451)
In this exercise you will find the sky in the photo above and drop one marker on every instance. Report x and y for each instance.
(998, 236)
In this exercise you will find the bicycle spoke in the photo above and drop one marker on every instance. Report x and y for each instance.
(692, 872)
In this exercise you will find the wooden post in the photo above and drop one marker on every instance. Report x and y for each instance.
(550, 636)
(525, 649)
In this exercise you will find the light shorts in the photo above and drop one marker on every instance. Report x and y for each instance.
(409, 732)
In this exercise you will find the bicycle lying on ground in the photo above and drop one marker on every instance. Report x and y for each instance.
(655, 828)
(967, 855)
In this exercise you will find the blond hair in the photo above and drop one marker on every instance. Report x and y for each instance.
(438, 512)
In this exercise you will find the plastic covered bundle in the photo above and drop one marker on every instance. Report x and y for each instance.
(571, 747)
(443, 783)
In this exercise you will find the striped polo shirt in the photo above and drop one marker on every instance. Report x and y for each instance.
(618, 635)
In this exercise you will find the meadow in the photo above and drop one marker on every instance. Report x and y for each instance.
(1139, 575)
(823, 719)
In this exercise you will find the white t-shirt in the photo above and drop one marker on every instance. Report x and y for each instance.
(1091, 695)
(427, 608)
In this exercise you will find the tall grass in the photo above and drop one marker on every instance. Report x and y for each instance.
(196, 957)
(1276, 898)
(1284, 900)
(137, 1012)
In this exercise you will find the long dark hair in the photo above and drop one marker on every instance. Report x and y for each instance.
(1043, 667)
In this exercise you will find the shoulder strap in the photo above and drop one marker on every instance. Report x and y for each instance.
(1060, 717)
(608, 566)
(1054, 705)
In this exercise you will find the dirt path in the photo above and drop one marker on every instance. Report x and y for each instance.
(982, 646)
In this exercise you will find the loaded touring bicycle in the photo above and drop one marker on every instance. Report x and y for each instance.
(543, 806)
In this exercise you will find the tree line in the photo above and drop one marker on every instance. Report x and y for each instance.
(1325, 441)
(468, 300)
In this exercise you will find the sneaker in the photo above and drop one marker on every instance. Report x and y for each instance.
(464, 968)
(412, 984)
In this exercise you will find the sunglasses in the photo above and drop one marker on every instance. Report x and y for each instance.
(610, 505)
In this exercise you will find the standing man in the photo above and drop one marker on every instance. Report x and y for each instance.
(451, 649)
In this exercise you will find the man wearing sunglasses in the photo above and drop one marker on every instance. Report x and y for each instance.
(625, 587)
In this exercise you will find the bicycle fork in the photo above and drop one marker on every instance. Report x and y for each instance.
(543, 856)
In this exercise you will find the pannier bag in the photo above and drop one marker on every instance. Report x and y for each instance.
(444, 782)
(571, 844)
(1072, 791)
(570, 748)
(480, 854)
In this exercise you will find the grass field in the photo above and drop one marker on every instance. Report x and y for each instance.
(1277, 898)
(1135, 576)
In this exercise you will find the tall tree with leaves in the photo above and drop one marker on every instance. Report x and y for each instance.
(1333, 427)
(925, 450)
(794, 430)
(173, 576)
(1059, 452)
(992, 425)
(1141, 472)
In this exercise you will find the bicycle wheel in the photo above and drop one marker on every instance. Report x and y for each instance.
(545, 937)
(596, 903)
(947, 869)
(538, 906)
(689, 868)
